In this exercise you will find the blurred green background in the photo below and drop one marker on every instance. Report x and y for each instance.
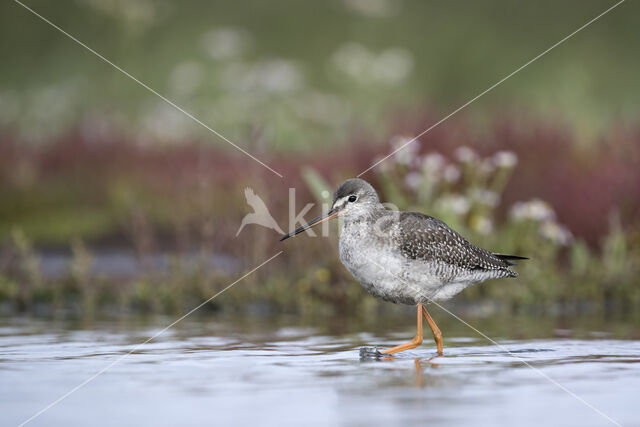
(112, 201)
(304, 73)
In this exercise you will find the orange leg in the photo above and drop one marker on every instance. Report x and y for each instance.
(437, 335)
(414, 342)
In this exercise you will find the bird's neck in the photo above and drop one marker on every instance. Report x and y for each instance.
(368, 216)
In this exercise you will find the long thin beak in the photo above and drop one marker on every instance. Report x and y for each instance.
(319, 220)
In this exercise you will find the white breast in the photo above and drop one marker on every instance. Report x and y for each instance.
(385, 273)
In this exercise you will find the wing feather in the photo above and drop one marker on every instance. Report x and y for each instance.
(430, 239)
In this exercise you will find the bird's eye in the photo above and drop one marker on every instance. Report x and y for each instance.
(352, 198)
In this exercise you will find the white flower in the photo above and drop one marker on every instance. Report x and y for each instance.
(407, 149)
(163, 124)
(556, 233)
(486, 167)
(505, 159)
(226, 42)
(538, 210)
(392, 66)
(433, 162)
(412, 180)
(139, 14)
(353, 59)
(485, 197)
(280, 76)
(364, 66)
(451, 173)
(465, 154)
(269, 76)
(455, 203)
(535, 209)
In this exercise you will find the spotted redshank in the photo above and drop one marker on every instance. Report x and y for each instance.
(406, 257)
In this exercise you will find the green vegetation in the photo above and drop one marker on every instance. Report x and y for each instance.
(268, 80)
(91, 163)
(466, 191)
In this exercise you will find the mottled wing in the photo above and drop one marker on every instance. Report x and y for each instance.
(429, 239)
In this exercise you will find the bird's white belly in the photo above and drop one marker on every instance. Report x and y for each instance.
(387, 274)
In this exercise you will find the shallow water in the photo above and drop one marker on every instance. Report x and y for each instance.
(221, 373)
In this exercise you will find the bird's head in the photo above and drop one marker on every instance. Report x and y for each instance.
(353, 199)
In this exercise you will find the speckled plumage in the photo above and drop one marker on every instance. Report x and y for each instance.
(408, 257)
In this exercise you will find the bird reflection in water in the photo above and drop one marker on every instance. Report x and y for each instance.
(418, 362)
(368, 354)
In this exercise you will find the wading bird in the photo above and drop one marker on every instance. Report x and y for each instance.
(406, 257)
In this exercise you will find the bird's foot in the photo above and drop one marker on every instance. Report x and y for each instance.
(370, 353)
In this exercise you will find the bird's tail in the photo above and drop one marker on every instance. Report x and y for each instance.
(509, 258)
